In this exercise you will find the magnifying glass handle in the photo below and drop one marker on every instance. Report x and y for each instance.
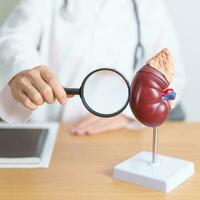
(72, 91)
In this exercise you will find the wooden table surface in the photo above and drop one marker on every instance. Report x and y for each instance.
(81, 167)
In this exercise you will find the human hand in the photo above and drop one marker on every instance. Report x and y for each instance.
(36, 86)
(92, 125)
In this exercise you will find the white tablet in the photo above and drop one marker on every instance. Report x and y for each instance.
(27, 146)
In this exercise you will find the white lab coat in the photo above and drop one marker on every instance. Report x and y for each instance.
(86, 35)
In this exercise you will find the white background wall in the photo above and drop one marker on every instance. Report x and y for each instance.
(186, 16)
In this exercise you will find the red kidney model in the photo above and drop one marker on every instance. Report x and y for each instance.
(150, 95)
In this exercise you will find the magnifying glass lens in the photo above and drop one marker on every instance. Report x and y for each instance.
(106, 92)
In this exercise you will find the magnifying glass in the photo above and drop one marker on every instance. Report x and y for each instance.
(104, 92)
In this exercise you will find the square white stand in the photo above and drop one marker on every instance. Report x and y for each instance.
(165, 176)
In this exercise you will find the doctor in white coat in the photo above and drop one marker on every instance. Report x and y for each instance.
(48, 44)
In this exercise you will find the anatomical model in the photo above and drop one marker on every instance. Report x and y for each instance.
(150, 96)
(151, 103)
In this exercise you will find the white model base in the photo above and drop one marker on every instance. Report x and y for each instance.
(165, 176)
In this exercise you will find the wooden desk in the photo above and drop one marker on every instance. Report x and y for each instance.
(82, 167)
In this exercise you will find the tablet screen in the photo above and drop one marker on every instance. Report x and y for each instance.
(22, 143)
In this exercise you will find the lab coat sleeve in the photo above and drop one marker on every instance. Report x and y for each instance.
(158, 33)
(19, 40)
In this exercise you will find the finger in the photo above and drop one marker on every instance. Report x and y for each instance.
(24, 99)
(33, 94)
(57, 88)
(99, 128)
(80, 129)
(93, 125)
(81, 126)
(105, 125)
(84, 120)
(70, 95)
(45, 90)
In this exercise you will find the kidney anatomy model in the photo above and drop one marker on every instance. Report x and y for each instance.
(150, 102)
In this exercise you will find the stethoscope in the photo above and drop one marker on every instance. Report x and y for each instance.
(139, 48)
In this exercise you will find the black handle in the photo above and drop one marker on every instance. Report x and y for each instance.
(73, 91)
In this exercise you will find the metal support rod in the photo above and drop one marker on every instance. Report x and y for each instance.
(155, 145)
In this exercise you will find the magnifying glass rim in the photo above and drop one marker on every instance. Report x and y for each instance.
(95, 112)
